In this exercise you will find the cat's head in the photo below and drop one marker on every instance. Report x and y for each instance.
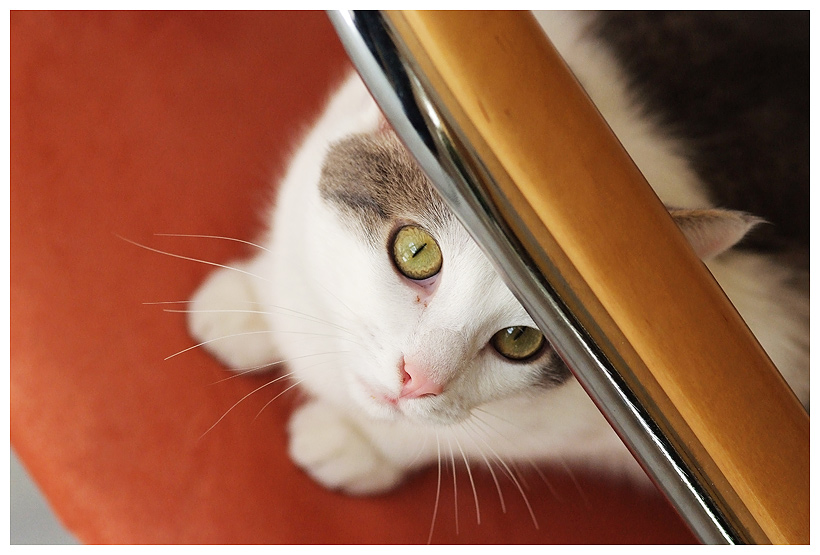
(437, 333)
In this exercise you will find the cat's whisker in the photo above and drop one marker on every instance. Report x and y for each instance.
(206, 342)
(501, 436)
(263, 386)
(199, 260)
(332, 294)
(521, 477)
(214, 311)
(308, 317)
(455, 484)
(418, 453)
(309, 333)
(476, 420)
(245, 311)
(578, 487)
(256, 332)
(470, 433)
(544, 479)
(496, 416)
(195, 236)
(511, 475)
(238, 372)
(294, 384)
(472, 483)
(274, 309)
(314, 334)
(248, 311)
(438, 489)
(291, 386)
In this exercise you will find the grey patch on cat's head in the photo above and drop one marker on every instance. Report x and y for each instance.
(372, 182)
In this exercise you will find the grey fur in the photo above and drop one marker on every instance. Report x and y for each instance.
(374, 184)
(554, 372)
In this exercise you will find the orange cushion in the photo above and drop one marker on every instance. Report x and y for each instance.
(126, 125)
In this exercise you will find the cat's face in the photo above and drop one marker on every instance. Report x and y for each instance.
(437, 333)
(434, 332)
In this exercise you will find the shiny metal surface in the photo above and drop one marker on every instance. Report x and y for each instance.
(468, 188)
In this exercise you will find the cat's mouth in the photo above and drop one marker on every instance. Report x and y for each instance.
(381, 398)
(385, 403)
(389, 406)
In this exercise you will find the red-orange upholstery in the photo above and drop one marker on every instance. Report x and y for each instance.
(127, 125)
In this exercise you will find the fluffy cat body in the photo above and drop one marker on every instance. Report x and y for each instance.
(325, 297)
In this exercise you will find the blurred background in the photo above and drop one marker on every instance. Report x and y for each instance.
(32, 522)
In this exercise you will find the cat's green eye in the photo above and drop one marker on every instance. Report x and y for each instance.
(416, 253)
(518, 343)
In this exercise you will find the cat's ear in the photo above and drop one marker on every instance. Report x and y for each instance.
(713, 231)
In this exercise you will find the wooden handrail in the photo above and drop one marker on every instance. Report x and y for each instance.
(590, 221)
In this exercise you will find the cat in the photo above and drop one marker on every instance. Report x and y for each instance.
(407, 342)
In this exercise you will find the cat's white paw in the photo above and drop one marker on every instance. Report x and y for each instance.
(337, 454)
(225, 317)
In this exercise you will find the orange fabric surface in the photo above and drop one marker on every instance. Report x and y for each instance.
(128, 125)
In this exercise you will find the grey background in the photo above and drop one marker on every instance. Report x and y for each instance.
(32, 521)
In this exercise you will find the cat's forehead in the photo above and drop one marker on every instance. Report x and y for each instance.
(372, 183)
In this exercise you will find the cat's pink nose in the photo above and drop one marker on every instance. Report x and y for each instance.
(417, 382)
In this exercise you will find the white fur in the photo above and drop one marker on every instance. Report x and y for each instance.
(343, 318)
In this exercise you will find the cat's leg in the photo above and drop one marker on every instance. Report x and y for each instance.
(345, 453)
(226, 317)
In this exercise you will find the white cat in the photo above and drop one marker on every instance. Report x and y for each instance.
(407, 341)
